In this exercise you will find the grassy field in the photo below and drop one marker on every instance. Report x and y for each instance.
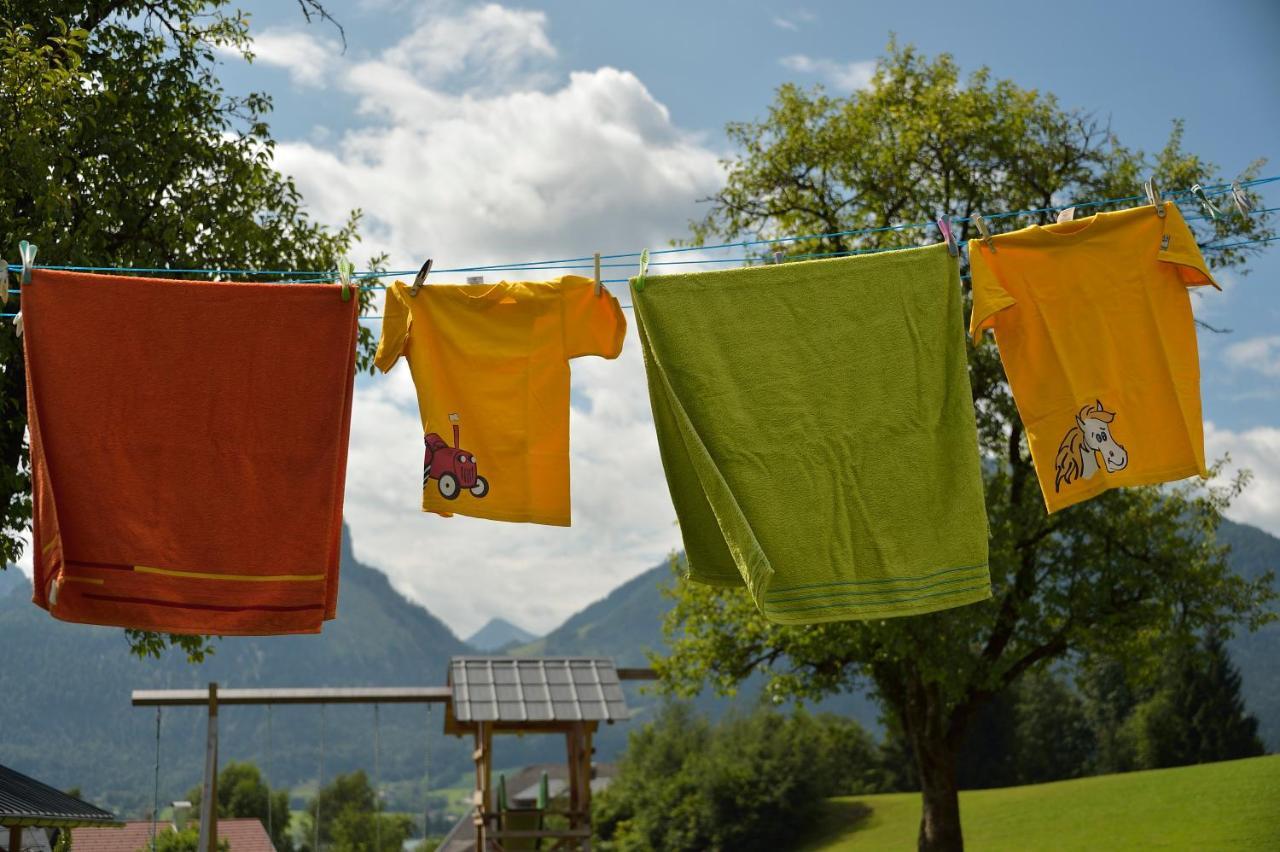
(1233, 805)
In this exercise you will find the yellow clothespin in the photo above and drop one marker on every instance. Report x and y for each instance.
(420, 278)
(599, 283)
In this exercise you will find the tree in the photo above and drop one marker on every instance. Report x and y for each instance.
(750, 782)
(187, 840)
(242, 792)
(121, 149)
(351, 819)
(1134, 569)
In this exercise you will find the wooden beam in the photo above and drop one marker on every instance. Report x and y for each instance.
(209, 796)
(637, 674)
(15, 838)
(361, 695)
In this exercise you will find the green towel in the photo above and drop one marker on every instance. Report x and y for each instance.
(816, 427)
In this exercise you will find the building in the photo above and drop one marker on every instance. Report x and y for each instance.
(241, 835)
(32, 813)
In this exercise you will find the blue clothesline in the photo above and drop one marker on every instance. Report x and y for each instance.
(562, 263)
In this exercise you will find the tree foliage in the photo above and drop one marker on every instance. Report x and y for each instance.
(242, 792)
(1136, 572)
(746, 783)
(351, 819)
(122, 149)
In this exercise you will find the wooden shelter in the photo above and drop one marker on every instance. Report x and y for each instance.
(26, 803)
(533, 695)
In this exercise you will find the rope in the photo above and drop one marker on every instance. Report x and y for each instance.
(377, 778)
(319, 783)
(155, 797)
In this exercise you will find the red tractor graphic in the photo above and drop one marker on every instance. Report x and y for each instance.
(453, 468)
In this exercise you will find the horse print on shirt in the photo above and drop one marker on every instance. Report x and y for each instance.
(1087, 441)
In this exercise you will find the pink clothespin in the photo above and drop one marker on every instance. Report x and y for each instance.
(948, 236)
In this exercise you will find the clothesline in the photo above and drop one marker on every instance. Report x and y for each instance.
(586, 262)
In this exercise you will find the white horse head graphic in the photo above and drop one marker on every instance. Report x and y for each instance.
(1089, 441)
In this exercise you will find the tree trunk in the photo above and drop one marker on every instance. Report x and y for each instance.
(936, 743)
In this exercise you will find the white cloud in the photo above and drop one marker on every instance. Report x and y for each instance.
(482, 155)
(1258, 450)
(794, 19)
(308, 59)
(843, 75)
(1259, 354)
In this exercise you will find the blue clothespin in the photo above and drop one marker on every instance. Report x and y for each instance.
(644, 270)
(1241, 200)
(345, 270)
(1209, 207)
(27, 251)
(948, 236)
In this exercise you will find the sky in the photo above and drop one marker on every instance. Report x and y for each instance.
(479, 133)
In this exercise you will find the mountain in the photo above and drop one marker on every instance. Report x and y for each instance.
(65, 715)
(1254, 553)
(497, 635)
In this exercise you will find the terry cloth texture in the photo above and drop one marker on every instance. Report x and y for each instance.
(816, 427)
(188, 450)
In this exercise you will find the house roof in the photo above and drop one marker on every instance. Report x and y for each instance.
(536, 689)
(242, 835)
(26, 801)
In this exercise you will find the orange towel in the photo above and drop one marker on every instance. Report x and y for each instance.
(188, 450)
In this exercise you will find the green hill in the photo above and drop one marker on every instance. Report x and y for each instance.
(1233, 805)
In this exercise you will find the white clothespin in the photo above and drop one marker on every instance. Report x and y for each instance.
(1209, 207)
(420, 278)
(345, 270)
(27, 251)
(1067, 214)
(1153, 196)
(17, 324)
(475, 279)
(1241, 200)
(948, 236)
(980, 222)
(599, 283)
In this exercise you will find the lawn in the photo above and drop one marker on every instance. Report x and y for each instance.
(1232, 805)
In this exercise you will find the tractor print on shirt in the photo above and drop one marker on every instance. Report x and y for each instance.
(1085, 444)
(453, 468)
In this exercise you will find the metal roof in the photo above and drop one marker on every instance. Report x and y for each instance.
(26, 801)
(536, 689)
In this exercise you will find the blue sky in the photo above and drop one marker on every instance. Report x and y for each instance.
(498, 132)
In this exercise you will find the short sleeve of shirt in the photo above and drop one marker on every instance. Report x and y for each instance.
(1178, 246)
(395, 329)
(989, 295)
(593, 325)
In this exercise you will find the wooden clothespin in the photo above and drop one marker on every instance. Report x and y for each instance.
(1153, 196)
(1209, 207)
(420, 278)
(599, 283)
(27, 251)
(1066, 214)
(1241, 199)
(948, 236)
(644, 270)
(4, 280)
(980, 222)
(345, 270)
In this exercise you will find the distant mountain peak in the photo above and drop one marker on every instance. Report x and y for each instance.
(497, 634)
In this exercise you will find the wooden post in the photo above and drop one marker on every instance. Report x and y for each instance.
(209, 797)
(483, 795)
(15, 838)
(587, 751)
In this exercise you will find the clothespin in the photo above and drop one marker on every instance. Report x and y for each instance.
(1209, 207)
(1067, 214)
(599, 283)
(27, 251)
(777, 257)
(644, 270)
(1241, 200)
(1153, 196)
(345, 269)
(420, 278)
(980, 222)
(17, 324)
(948, 236)
(4, 282)
(475, 279)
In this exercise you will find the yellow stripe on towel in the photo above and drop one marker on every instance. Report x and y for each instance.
(94, 580)
(245, 578)
(49, 546)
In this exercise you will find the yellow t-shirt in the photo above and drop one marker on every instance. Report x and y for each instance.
(491, 366)
(1095, 331)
